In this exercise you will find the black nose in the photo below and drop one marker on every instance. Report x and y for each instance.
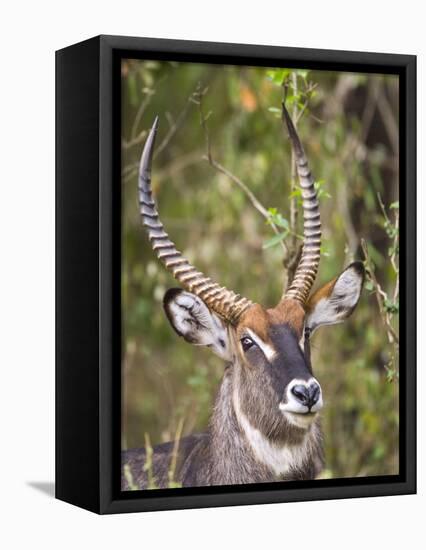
(307, 395)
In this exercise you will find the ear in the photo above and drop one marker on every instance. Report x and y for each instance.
(193, 320)
(335, 301)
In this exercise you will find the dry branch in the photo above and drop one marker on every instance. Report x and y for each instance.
(217, 166)
(381, 297)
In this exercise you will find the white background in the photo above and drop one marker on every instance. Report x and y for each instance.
(29, 34)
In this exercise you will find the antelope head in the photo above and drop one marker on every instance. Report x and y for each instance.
(268, 348)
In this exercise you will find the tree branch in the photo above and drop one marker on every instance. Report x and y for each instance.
(175, 126)
(381, 297)
(217, 166)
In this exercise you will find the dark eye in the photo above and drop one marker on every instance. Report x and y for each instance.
(247, 343)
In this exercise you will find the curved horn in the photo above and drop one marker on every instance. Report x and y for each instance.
(307, 268)
(226, 303)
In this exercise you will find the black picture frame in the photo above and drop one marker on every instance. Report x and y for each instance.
(88, 374)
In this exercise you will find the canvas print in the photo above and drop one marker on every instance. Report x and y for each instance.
(259, 275)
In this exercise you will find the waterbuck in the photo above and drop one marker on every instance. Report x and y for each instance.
(264, 426)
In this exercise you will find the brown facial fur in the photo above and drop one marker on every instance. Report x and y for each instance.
(323, 292)
(263, 411)
(259, 319)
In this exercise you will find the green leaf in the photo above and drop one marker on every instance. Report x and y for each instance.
(296, 193)
(375, 256)
(280, 221)
(292, 98)
(323, 194)
(391, 307)
(276, 239)
(390, 229)
(393, 250)
(390, 375)
(276, 218)
(278, 76)
(303, 73)
(174, 485)
(369, 286)
(394, 205)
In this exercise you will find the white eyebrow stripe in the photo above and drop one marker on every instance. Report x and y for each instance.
(302, 341)
(268, 350)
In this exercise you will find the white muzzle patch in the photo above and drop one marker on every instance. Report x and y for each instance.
(293, 407)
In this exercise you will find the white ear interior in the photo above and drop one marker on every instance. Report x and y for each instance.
(193, 320)
(347, 290)
(342, 300)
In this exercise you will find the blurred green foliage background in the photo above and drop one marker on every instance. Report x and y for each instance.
(350, 131)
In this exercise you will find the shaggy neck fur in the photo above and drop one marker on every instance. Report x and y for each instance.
(233, 451)
(240, 453)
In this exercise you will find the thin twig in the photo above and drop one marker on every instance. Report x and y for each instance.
(174, 167)
(136, 138)
(130, 170)
(381, 296)
(389, 121)
(203, 121)
(135, 141)
(291, 258)
(293, 201)
(396, 233)
(174, 456)
(140, 112)
(129, 478)
(255, 202)
(148, 466)
(311, 87)
(175, 126)
(353, 143)
(217, 166)
(393, 257)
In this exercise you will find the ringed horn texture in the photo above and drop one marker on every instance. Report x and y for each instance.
(307, 268)
(226, 303)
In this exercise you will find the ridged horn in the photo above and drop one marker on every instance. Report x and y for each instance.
(225, 302)
(307, 268)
